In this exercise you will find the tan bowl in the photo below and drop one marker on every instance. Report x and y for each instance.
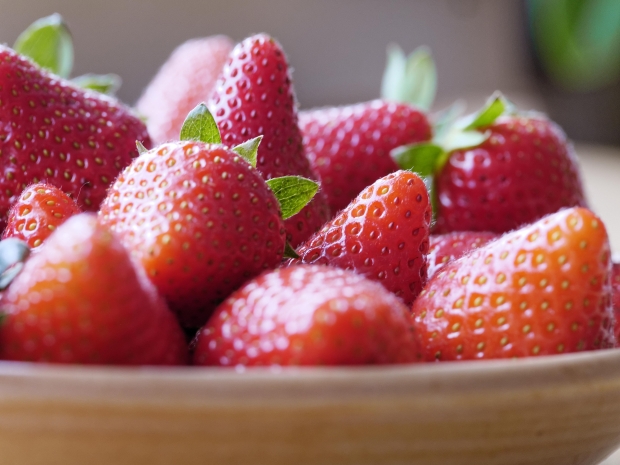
(549, 410)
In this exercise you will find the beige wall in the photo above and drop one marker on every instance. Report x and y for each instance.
(336, 46)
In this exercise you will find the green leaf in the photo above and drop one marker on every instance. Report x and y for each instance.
(13, 254)
(103, 83)
(419, 158)
(410, 80)
(393, 75)
(429, 182)
(444, 119)
(200, 126)
(293, 193)
(289, 251)
(141, 148)
(496, 106)
(249, 149)
(459, 139)
(48, 43)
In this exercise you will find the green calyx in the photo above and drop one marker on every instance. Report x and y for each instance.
(289, 251)
(452, 132)
(293, 193)
(200, 126)
(141, 148)
(410, 79)
(49, 44)
(107, 84)
(13, 254)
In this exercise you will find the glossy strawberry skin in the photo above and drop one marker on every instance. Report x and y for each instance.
(615, 287)
(349, 147)
(307, 315)
(382, 235)
(525, 170)
(38, 211)
(445, 248)
(73, 139)
(199, 219)
(186, 79)
(254, 96)
(82, 300)
(540, 290)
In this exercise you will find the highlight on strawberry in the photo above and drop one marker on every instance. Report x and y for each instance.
(316, 315)
(496, 170)
(81, 299)
(199, 217)
(382, 235)
(540, 290)
(37, 212)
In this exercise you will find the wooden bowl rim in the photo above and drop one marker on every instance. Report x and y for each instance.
(334, 384)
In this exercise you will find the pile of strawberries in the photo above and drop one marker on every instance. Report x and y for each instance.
(244, 233)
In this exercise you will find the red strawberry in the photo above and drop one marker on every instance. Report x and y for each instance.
(255, 97)
(74, 139)
(38, 211)
(349, 147)
(307, 315)
(543, 289)
(615, 287)
(81, 300)
(447, 247)
(186, 79)
(382, 234)
(199, 219)
(499, 170)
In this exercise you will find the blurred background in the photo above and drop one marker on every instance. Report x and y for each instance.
(557, 56)
(337, 47)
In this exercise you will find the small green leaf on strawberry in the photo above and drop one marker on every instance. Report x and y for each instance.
(141, 148)
(293, 193)
(48, 43)
(289, 251)
(411, 79)
(496, 106)
(444, 119)
(420, 158)
(13, 253)
(200, 126)
(249, 149)
(107, 84)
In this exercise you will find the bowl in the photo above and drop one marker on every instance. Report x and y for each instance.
(560, 410)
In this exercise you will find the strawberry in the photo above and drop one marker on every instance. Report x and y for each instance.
(81, 300)
(498, 170)
(382, 234)
(349, 147)
(199, 218)
(254, 96)
(307, 315)
(73, 139)
(615, 287)
(186, 79)
(38, 211)
(447, 247)
(543, 289)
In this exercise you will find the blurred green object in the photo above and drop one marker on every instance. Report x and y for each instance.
(577, 41)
